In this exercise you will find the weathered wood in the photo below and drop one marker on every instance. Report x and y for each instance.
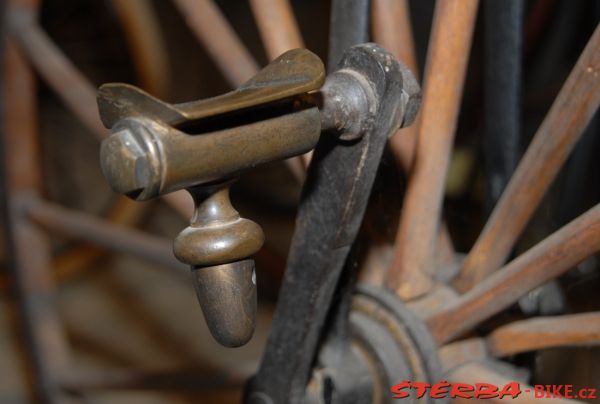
(416, 239)
(219, 39)
(237, 64)
(279, 33)
(197, 380)
(464, 351)
(545, 332)
(545, 261)
(57, 70)
(97, 231)
(568, 117)
(277, 26)
(30, 259)
(473, 373)
(147, 46)
(393, 30)
(80, 96)
(123, 211)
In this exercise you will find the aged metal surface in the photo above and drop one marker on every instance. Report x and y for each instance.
(502, 103)
(349, 27)
(567, 119)
(145, 158)
(237, 64)
(213, 236)
(279, 32)
(227, 295)
(157, 148)
(397, 342)
(217, 245)
(293, 73)
(148, 155)
(333, 203)
(385, 344)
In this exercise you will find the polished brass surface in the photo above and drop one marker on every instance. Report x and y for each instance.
(217, 245)
(217, 233)
(145, 158)
(295, 72)
(227, 295)
(201, 146)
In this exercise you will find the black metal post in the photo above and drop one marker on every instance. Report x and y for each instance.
(503, 38)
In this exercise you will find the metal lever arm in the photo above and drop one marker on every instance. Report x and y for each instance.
(333, 202)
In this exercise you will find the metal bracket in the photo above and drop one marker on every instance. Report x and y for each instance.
(333, 202)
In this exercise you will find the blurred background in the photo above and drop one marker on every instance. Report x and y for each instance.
(119, 311)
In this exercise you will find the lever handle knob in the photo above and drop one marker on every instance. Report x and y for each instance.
(217, 245)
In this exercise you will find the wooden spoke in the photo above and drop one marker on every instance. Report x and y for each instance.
(279, 33)
(58, 71)
(123, 211)
(419, 226)
(277, 25)
(547, 260)
(473, 373)
(392, 29)
(545, 332)
(568, 117)
(102, 233)
(214, 32)
(165, 380)
(45, 341)
(141, 26)
(219, 39)
(146, 44)
(80, 96)
(458, 353)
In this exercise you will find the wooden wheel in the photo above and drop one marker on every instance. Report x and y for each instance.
(452, 296)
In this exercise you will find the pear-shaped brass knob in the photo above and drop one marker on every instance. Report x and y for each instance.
(217, 245)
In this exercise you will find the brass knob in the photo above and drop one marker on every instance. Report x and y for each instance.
(157, 148)
(218, 245)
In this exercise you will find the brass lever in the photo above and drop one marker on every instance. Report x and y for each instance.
(201, 146)
(157, 148)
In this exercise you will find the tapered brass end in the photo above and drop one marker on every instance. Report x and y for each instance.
(227, 295)
(218, 245)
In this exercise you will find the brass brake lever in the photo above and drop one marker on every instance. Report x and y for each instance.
(202, 146)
